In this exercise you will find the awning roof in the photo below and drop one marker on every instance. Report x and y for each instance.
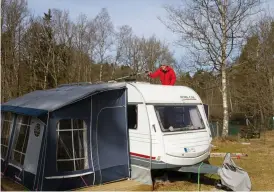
(40, 102)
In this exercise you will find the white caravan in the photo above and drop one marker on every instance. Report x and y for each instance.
(168, 127)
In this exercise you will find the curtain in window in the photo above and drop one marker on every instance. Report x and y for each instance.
(195, 117)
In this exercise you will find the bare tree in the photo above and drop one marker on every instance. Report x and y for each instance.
(80, 43)
(13, 25)
(263, 54)
(62, 27)
(103, 34)
(123, 38)
(214, 27)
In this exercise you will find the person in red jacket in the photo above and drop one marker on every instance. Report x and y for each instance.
(166, 74)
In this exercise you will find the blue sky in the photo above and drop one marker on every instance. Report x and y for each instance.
(141, 15)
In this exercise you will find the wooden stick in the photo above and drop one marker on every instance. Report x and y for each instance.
(232, 154)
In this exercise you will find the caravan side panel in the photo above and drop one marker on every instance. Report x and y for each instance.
(146, 140)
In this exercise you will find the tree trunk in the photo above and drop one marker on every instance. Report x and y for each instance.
(113, 70)
(79, 67)
(101, 71)
(19, 64)
(262, 115)
(46, 76)
(223, 70)
(225, 103)
(271, 84)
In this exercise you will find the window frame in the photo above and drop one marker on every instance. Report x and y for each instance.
(18, 127)
(85, 145)
(11, 125)
(175, 131)
(136, 110)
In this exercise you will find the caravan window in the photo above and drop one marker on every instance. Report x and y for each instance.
(72, 145)
(21, 139)
(6, 126)
(179, 118)
(132, 112)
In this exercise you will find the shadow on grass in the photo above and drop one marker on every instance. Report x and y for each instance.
(164, 177)
(191, 177)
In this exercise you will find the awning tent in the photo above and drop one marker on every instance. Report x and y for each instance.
(66, 138)
(40, 102)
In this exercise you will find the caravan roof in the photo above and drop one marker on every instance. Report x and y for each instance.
(153, 93)
(40, 102)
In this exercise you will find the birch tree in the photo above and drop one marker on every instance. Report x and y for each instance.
(216, 29)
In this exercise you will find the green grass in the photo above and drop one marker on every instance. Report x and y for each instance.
(259, 164)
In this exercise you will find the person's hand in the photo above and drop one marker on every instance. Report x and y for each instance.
(149, 72)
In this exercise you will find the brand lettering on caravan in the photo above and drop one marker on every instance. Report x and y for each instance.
(187, 97)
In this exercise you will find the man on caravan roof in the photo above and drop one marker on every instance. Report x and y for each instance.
(166, 74)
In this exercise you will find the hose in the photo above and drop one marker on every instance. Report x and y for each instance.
(199, 168)
(135, 74)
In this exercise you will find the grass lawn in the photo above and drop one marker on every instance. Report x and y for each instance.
(259, 164)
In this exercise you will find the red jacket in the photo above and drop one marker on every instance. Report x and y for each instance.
(167, 77)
